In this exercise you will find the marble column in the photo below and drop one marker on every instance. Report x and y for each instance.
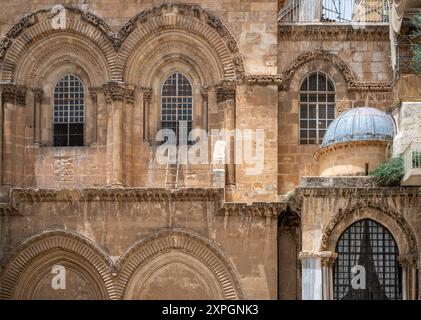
(311, 276)
(328, 259)
(408, 263)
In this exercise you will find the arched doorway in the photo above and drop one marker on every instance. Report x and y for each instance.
(367, 266)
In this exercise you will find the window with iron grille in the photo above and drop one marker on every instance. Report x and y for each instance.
(69, 112)
(317, 107)
(177, 106)
(368, 244)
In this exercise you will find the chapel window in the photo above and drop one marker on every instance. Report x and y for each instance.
(317, 107)
(69, 112)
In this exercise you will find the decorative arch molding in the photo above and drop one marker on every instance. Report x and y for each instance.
(164, 49)
(388, 217)
(44, 59)
(33, 27)
(61, 241)
(352, 83)
(188, 18)
(187, 242)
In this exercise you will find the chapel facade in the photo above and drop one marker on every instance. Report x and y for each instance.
(208, 150)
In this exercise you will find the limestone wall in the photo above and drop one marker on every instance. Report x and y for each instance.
(252, 22)
(121, 219)
(353, 59)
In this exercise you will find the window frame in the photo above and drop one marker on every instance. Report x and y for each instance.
(161, 121)
(318, 139)
(386, 258)
(81, 108)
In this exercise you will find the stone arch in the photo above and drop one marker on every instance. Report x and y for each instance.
(387, 217)
(56, 50)
(90, 31)
(188, 22)
(180, 246)
(332, 62)
(173, 47)
(24, 270)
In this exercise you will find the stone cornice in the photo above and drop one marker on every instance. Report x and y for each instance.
(20, 195)
(376, 194)
(349, 144)
(255, 209)
(333, 31)
(13, 93)
(263, 79)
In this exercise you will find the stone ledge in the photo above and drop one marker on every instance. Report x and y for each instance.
(339, 182)
(19, 195)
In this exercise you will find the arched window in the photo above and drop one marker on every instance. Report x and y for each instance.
(317, 107)
(69, 112)
(177, 106)
(367, 250)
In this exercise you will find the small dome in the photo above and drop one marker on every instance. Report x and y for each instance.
(359, 124)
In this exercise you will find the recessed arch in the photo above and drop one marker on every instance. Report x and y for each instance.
(59, 49)
(39, 251)
(179, 241)
(171, 46)
(387, 217)
(189, 22)
(368, 245)
(33, 29)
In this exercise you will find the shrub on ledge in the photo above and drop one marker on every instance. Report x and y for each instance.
(390, 173)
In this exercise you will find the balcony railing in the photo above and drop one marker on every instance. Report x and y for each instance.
(412, 158)
(339, 11)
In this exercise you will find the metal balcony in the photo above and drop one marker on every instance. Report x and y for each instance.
(334, 11)
(412, 163)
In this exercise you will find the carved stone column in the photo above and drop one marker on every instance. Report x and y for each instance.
(92, 117)
(147, 94)
(38, 93)
(115, 95)
(328, 259)
(129, 99)
(205, 103)
(225, 94)
(13, 96)
(409, 276)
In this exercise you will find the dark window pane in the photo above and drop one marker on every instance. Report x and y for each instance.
(176, 104)
(370, 245)
(68, 111)
(320, 109)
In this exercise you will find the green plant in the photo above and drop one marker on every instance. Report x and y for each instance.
(416, 159)
(390, 173)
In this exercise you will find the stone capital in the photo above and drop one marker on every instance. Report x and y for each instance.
(13, 93)
(407, 260)
(225, 90)
(118, 91)
(204, 91)
(38, 93)
(147, 93)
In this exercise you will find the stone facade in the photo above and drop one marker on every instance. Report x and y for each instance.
(126, 226)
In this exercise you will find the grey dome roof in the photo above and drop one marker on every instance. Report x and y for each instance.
(359, 124)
